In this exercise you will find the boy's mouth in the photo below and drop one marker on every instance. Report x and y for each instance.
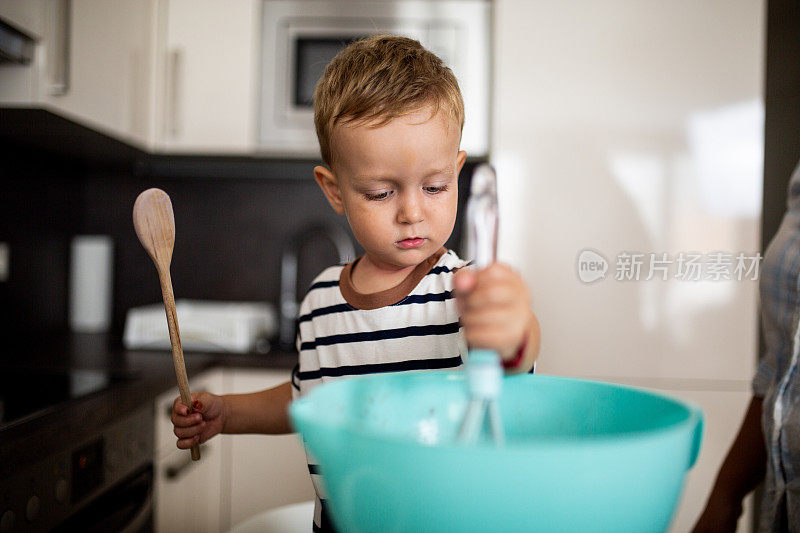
(413, 242)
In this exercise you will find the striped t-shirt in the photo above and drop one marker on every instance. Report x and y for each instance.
(341, 332)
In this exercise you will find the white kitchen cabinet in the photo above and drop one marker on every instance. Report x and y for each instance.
(207, 76)
(237, 476)
(109, 67)
(110, 73)
(21, 85)
(112, 46)
(169, 76)
(266, 471)
(188, 494)
(26, 16)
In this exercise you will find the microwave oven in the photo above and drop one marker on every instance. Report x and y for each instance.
(300, 37)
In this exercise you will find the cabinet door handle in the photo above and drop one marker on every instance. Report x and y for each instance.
(174, 60)
(178, 468)
(58, 49)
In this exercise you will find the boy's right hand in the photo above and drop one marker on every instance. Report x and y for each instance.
(207, 420)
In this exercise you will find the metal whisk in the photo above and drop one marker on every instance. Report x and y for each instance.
(484, 373)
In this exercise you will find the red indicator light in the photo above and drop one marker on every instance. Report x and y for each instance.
(82, 462)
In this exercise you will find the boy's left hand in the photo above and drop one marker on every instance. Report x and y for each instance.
(496, 314)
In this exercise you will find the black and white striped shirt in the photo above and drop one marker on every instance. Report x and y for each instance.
(341, 332)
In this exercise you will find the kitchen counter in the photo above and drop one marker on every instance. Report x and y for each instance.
(139, 376)
(96, 351)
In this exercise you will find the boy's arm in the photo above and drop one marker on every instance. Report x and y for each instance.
(265, 411)
(530, 349)
(743, 469)
(258, 412)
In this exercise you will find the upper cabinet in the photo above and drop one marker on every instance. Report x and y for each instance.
(92, 63)
(175, 76)
(207, 76)
(110, 74)
(26, 15)
(223, 77)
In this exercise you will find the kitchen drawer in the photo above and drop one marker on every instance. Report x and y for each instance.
(188, 494)
(266, 471)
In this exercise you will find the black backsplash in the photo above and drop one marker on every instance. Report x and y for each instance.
(39, 211)
(232, 216)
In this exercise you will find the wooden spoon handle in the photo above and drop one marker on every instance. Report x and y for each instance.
(177, 350)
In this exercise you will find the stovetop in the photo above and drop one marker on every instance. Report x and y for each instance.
(25, 392)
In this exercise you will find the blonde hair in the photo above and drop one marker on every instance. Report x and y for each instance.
(381, 78)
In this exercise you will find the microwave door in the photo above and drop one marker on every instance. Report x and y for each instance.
(311, 56)
(310, 51)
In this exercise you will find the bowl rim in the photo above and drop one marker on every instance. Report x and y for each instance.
(694, 416)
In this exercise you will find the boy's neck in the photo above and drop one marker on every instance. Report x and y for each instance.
(369, 277)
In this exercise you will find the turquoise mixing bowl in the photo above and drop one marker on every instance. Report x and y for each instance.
(579, 455)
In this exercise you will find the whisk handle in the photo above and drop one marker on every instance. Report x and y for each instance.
(484, 374)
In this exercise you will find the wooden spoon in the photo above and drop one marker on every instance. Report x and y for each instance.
(154, 222)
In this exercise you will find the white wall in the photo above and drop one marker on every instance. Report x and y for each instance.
(635, 126)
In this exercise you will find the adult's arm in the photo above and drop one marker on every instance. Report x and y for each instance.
(741, 471)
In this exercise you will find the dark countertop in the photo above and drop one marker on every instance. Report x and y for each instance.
(97, 351)
(143, 375)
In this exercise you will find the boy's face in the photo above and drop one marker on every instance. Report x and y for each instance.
(397, 184)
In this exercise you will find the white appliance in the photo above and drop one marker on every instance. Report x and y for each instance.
(300, 37)
(204, 326)
(605, 138)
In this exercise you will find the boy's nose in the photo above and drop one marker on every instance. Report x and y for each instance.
(410, 210)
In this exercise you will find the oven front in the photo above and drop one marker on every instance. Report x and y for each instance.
(126, 507)
(98, 482)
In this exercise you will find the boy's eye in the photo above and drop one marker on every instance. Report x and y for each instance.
(435, 189)
(377, 196)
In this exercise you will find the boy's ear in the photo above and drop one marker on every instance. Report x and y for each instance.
(461, 157)
(330, 186)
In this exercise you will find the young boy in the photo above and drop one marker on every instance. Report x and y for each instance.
(389, 116)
